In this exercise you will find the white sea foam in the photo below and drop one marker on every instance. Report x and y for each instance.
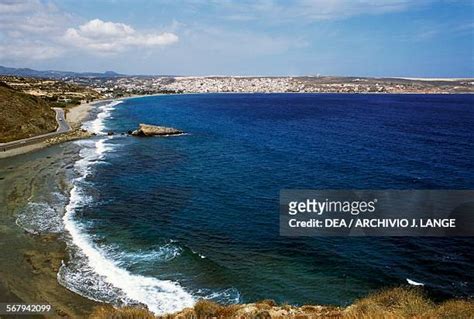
(414, 283)
(92, 273)
(42, 216)
(200, 255)
(160, 254)
(225, 296)
(97, 125)
(161, 296)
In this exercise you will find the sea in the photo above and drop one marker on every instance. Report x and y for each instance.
(166, 221)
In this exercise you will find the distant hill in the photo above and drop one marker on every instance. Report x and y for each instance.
(23, 115)
(26, 72)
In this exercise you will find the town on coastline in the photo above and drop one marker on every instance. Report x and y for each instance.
(62, 89)
(70, 87)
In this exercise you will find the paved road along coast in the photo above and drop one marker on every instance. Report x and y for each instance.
(63, 127)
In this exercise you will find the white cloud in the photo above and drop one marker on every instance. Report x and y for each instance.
(218, 33)
(27, 30)
(30, 17)
(310, 10)
(29, 51)
(35, 30)
(16, 6)
(109, 37)
(336, 9)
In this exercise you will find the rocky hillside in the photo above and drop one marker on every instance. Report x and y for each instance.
(395, 303)
(23, 115)
(56, 92)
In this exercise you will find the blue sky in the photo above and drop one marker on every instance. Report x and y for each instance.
(412, 38)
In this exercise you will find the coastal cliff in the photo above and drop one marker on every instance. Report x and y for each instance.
(23, 115)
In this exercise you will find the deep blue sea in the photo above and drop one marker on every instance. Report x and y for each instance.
(165, 221)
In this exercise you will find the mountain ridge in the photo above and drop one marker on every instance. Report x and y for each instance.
(27, 72)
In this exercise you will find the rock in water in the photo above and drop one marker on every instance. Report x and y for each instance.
(151, 130)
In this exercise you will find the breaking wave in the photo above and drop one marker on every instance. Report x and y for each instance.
(91, 272)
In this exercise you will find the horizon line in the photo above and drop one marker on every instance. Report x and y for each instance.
(414, 78)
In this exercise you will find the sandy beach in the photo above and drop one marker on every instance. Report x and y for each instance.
(77, 114)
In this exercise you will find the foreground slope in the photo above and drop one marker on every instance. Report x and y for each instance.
(395, 303)
(23, 115)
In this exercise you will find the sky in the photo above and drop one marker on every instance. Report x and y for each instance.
(404, 38)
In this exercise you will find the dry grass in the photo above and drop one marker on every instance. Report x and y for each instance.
(453, 309)
(108, 312)
(207, 309)
(269, 302)
(393, 303)
(407, 303)
(23, 115)
(396, 303)
(228, 311)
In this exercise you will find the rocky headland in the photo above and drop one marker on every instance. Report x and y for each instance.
(154, 130)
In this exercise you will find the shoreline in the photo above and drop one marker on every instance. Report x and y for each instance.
(29, 275)
(78, 114)
(33, 275)
(37, 257)
(31, 272)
